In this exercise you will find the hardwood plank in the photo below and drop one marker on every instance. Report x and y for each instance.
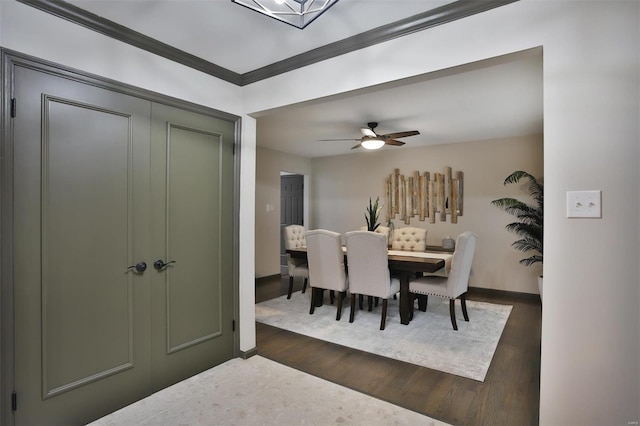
(510, 394)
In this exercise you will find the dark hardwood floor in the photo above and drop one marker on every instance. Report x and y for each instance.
(509, 395)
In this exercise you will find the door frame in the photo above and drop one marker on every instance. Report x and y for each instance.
(9, 60)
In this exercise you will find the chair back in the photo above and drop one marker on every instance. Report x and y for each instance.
(294, 237)
(326, 260)
(384, 230)
(409, 239)
(368, 263)
(461, 264)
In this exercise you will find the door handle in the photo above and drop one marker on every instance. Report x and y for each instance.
(160, 264)
(140, 267)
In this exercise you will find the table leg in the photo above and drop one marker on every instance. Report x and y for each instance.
(405, 299)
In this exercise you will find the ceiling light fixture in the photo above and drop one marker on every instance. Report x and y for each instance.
(298, 13)
(372, 143)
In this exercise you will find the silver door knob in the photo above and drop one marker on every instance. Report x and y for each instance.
(160, 264)
(140, 267)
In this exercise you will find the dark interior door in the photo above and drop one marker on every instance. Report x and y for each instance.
(291, 208)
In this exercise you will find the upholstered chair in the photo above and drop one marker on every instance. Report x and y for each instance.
(455, 285)
(409, 239)
(369, 269)
(294, 237)
(384, 230)
(326, 266)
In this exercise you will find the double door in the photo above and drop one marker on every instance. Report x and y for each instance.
(122, 247)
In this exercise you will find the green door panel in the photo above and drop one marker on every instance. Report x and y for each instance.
(80, 316)
(192, 169)
(104, 180)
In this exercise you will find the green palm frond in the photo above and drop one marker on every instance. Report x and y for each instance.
(530, 225)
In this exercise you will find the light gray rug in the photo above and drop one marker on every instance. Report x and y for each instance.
(429, 340)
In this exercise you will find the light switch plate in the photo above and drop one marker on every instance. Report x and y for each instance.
(584, 204)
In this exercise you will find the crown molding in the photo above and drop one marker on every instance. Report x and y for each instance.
(441, 15)
(112, 29)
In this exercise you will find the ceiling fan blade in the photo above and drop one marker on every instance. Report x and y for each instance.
(393, 142)
(355, 146)
(323, 140)
(402, 134)
(368, 132)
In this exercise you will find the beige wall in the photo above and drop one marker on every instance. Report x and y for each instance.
(343, 184)
(340, 188)
(269, 164)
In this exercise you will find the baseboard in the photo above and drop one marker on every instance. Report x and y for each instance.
(503, 293)
(248, 354)
(268, 278)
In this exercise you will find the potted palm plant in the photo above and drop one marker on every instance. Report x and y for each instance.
(530, 223)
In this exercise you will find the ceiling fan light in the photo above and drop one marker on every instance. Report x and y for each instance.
(373, 143)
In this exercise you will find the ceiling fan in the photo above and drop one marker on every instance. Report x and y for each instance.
(371, 140)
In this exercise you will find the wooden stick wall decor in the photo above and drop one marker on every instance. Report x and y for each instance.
(424, 195)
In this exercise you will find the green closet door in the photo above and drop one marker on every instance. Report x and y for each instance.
(192, 217)
(81, 208)
(104, 181)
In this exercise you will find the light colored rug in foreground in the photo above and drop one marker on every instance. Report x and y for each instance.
(258, 391)
(429, 340)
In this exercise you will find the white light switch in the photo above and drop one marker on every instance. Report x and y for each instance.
(584, 204)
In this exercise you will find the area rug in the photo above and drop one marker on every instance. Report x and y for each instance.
(429, 340)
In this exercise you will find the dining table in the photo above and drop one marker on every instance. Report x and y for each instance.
(404, 265)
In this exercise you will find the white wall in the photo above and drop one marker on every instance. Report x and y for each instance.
(269, 164)
(343, 184)
(591, 323)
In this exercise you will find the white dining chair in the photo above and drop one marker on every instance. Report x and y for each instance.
(456, 284)
(294, 238)
(326, 266)
(369, 273)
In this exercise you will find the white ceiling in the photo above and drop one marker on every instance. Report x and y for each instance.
(240, 39)
(496, 98)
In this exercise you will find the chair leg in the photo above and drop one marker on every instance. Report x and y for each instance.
(422, 302)
(353, 307)
(412, 297)
(304, 286)
(332, 296)
(370, 300)
(376, 299)
(340, 298)
(383, 322)
(313, 306)
(463, 302)
(360, 300)
(452, 310)
(290, 287)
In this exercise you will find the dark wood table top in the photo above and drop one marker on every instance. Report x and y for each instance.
(396, 262)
